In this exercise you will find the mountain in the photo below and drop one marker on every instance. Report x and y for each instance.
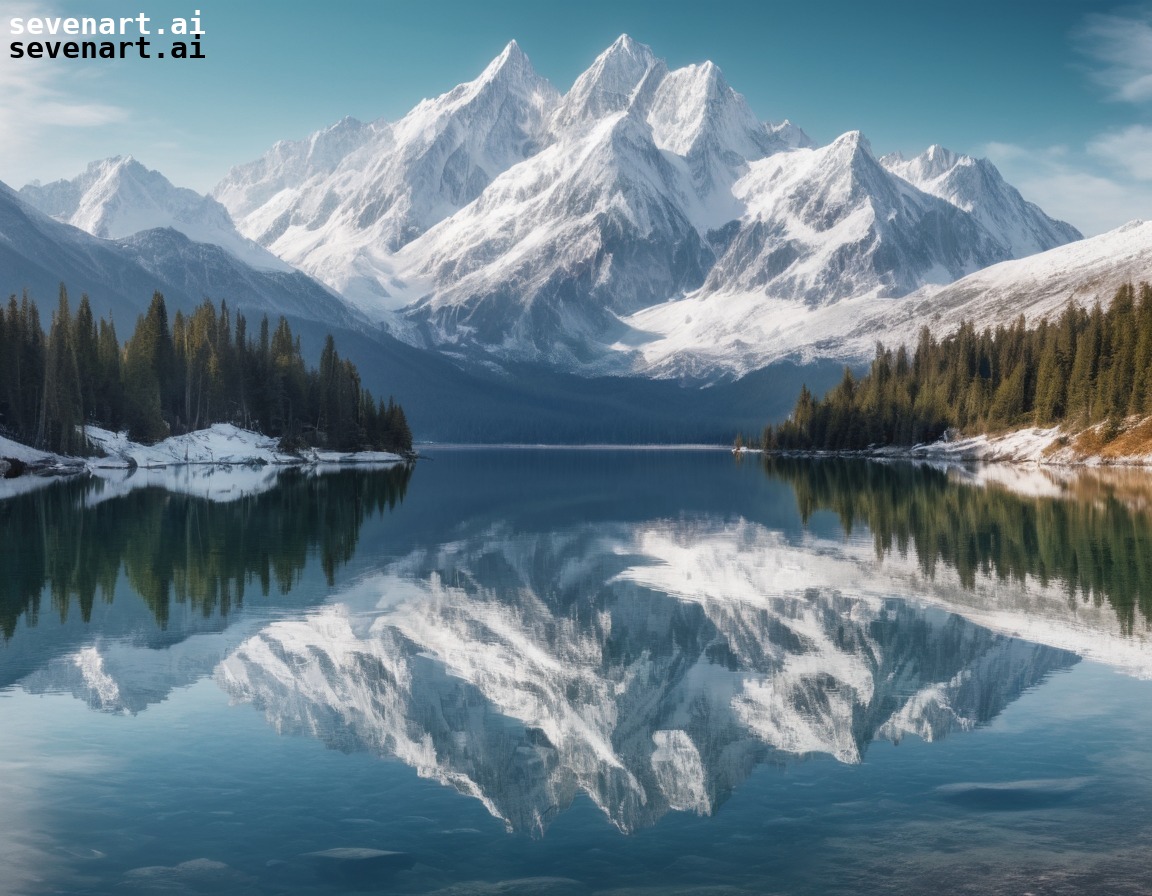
(38, 253)
(504, 222)
(343, 221)
(119, 197)
(188, 268)
(975, 186)
(831, 223)
(1038, 286)
(538, 267)
(622, 76)
(535, 266)
(718, 337)
(290, 164)
(443, 401)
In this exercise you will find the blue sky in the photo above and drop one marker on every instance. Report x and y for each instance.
(1057, 93)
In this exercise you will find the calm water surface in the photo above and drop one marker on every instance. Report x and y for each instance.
(578, 672)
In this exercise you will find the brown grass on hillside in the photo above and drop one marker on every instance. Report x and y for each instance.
(1116, 441)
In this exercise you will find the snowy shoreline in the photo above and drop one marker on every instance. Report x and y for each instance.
(1042, 446)
(221, 444)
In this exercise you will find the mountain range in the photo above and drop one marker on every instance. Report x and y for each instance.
(540, 248)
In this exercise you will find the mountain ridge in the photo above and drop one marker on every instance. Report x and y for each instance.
(773, 214)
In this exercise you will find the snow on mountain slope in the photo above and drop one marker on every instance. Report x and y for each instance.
(205, 270)
(504, 222)
(827, 224)
(697, 116)
(705, 336)
(38, 253)
(975, 185)
(289, 165)
(1037, 286)
(621, 77)
(539, 265)
(345, 220)
(119, 197)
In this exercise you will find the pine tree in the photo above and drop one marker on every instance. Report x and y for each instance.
(109, 408)
(61, 409)
(86, 341)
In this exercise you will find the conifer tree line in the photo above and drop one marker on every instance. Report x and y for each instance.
(1085, 367)
(168, 379)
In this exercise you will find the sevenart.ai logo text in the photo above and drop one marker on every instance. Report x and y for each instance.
(106, 37)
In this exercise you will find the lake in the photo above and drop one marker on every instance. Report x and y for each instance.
(578, 672)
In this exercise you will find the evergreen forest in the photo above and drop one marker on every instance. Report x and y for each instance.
(172, 378)
(1086, 367)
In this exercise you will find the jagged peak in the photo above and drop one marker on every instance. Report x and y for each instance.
(789, 135)
(852, 143)
(624, 45)
(511, 53)
(695, 105)
(610, 83)
(853, 139)
(111, 163)
(511, 61)
(711, 72)
(938, 153)
(348, 122)
(706, 74)
(937, 160)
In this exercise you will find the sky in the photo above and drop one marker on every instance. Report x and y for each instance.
(1057, 93)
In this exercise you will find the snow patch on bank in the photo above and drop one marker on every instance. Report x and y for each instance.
(190, 464)
(221, 443)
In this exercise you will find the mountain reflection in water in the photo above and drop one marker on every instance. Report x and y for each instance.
(527, 629)
(651, 667)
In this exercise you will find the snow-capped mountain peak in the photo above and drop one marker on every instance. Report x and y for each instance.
(345, 223)
(511, 71)
(931, 164)
(291, 163)
(503, 220)
(609, 85)
(976, 186)
(118, 197)
(695, 107)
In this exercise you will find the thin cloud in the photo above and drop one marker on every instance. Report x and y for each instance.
(1073, 186)
(1128, 150)
(1120, 46)
(39, 108)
